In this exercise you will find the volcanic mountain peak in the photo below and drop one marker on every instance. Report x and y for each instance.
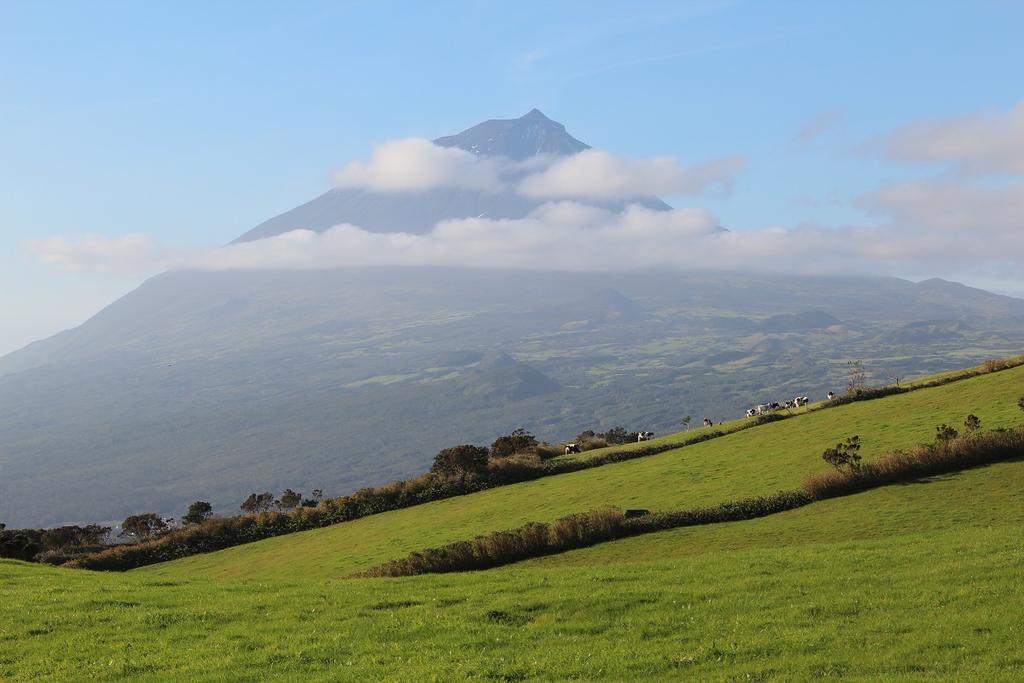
(529, 135)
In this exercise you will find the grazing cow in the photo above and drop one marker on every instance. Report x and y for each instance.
(788, 405)
(774, 405)
(751, 412)
(801, 401)
(572, 448)
(708, 423)
(644, 436)
(762, 409)
(831, 396)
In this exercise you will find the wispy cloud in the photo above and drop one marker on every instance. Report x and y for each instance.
(952, 225)
(815, 127)
(985, 142)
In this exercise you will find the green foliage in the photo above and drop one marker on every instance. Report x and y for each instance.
(71, 537)
(580, 530)
(518, 441)
(845, 454)
(20, 544)
(289, 500)
(461, 461)
(948, 454)
(144, 526)
(945, 432)
(198, 512)
(257, 503)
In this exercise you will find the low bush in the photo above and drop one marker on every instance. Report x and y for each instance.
(945, 455)
(581, 530)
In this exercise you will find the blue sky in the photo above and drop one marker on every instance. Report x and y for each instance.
(192, 122)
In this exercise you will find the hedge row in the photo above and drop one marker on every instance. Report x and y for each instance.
(537, 539)
(923, 460)
(575, 531)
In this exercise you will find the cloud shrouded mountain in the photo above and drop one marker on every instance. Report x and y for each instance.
(418, 211)
(211, 384)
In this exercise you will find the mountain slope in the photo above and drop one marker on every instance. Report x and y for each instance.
(212, 385)
(925, 577)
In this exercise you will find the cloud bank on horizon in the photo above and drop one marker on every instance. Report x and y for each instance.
(967, 220)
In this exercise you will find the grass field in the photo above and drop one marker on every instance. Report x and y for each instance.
(944, 602)
(922, 580)
(751, 462)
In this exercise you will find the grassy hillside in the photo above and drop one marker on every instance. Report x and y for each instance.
(840, 596)
(918, 580)
(755, 461)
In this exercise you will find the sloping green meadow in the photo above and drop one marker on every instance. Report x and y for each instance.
(751, 462)
(921, 580)
(942, 602)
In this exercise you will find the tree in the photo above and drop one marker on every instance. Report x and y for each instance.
(289, 500)
(258, 502)
(19, 544)
(461, 460)
(516, 442)
(94, 534)
(146, 525)
(972, 423)
(845, 454)
(198, 512)
(857, 377)
(686, 421)
(616, 435)
(945, 432)
(314, 499)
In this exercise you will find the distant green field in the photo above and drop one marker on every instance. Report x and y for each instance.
(921, 580)
(750, 462)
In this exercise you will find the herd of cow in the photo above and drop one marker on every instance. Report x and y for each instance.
(762, 409)
(766, 408)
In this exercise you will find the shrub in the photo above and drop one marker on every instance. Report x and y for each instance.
(20, 544)
(518, 441)
(923, 460)
(198, 512)
(574, 531)
(257, 502)
(972, 424)
(461, 460)
(289, 500)
(546, 451)
(845, 454)
(1020, 402)
(146, 525)
(944, 432)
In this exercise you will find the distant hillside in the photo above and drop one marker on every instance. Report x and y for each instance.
(798, 322)
(211, 385)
